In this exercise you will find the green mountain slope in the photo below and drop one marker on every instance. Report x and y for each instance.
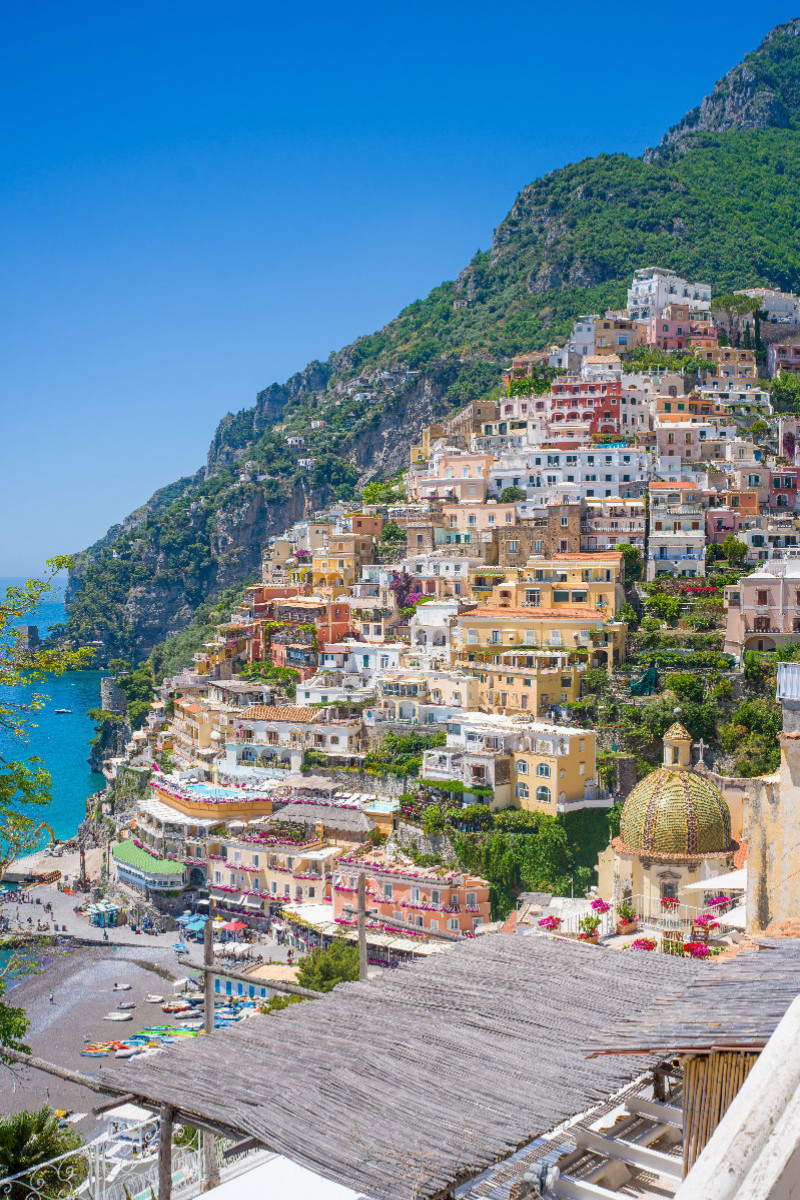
(716, 201)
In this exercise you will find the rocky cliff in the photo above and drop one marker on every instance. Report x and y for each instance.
(762, 92)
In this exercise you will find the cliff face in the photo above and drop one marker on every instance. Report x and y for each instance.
(762, 92)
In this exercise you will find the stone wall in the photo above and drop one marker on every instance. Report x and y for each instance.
(112, 698)
(437, 843)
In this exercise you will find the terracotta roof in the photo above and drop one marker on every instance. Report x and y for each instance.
(269, 712)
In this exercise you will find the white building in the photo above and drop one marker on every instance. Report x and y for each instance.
(582, 338)
(570, 475)
(783, 308)
(654, 288)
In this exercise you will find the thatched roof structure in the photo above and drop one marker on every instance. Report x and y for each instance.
(421, 1078)
(732, 1005)
(333, 816)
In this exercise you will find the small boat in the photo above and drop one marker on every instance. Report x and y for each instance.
(121, 987)
(63, 710)
(176, 1006)
(118, 1016)
(126, 1004)
(129, 1053)
(153, 999)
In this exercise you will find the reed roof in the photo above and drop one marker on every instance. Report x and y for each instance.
(733, 1005)
(425, 1076)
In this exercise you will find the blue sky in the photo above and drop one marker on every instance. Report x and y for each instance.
(196, 199)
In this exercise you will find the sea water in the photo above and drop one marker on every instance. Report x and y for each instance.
(60, 739)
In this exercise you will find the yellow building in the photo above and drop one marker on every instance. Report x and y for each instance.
(593, 581)
(567, 627)
(525, 681)
(552, 767)
(248, 874)
(337, 565)
(421, 451)
(199, 730)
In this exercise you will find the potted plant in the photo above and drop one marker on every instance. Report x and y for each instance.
(643, 944)
(588, 926)
(550, 924)
(626, 918)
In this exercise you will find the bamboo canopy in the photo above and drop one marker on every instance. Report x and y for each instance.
(733, 1005)
(418, 1080)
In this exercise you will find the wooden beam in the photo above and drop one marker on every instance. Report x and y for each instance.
(165, 1152)
(130, 1098)
(242, 1148)
(210, 1166)
(628, 1152)
(362, 927)
(667, 1114)
(41, 1064)
(277, 985)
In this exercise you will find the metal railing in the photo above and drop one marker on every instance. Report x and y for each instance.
(105, 1169)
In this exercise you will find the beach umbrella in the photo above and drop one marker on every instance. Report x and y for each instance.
(233, 926)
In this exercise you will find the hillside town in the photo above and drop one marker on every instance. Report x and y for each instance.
(537, 695)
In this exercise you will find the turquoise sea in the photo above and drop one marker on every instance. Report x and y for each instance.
(61, 740)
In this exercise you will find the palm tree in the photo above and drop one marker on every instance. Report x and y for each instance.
(28, 1140)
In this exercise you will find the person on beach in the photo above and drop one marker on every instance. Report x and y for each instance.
(52, 998)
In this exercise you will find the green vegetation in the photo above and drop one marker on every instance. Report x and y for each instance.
(321, 970)
(401, 753)
(286, 678)
(31, 1139)
(510, 495)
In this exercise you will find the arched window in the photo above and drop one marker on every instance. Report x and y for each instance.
(543, 770)
(521, 791)
(543, 794)
(522, 767)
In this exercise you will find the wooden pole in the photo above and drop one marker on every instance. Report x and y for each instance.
(362, 927)
(210, 1167)
(165, 1153)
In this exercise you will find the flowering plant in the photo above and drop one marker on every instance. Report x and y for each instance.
(719, 901)
(626, 911)
(669, 902)
(705, 921)
(643, 944)
(600, 906)
(696, 949)
(588, 925)
(550, 923)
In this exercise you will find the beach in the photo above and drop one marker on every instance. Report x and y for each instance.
(81, 981)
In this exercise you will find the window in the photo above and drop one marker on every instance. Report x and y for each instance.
(471, 899)
(543, 794)
(495, 637)
(579, 597)
(522, 767)
(513, 546)
(435, 897)
(387, 891)
(564, 522)
(453, 924)
(560, 597)
(521, 791)
(763, 597)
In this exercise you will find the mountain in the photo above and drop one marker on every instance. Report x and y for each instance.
(714, 201)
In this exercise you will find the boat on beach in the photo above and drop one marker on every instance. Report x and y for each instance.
(121, 987)
(118, 1016)
(153, 999)
(125, 1005)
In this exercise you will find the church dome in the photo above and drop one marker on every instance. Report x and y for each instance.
(675, 810)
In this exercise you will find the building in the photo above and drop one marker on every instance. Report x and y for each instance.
(565, 627)
(783, 356)
(763, 609)
(422, 898)
(526, 682)
(594, 580)
(518, 762)
(615, 334)
(670, 329)
(138, 868)
(612, 521)
(677, 535)
(653, 288)
(675, 830)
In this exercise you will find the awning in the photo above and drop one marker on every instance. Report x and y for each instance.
(233, 926)
(736, 918)
(734, 881)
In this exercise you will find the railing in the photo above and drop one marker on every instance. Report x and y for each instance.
(105, 1169)
(651, 912)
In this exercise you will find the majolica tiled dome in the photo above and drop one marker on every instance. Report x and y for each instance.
(676, 811)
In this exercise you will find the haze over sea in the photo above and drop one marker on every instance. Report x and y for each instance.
(61, 740)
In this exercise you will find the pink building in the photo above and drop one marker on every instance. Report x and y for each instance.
(420, 897)
(672, 330)
(763, 609)
(783, 488)
(722, 521)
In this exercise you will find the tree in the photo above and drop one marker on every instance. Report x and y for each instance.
(321, 970)
(735, 308)
(685, 685)
(734, 550)
(510, 495)
(632, 557)
(28, 1140)
(663, 606)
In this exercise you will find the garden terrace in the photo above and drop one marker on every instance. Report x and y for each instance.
(497, 1025)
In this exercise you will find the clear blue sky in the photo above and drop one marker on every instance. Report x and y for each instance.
(198, 198)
